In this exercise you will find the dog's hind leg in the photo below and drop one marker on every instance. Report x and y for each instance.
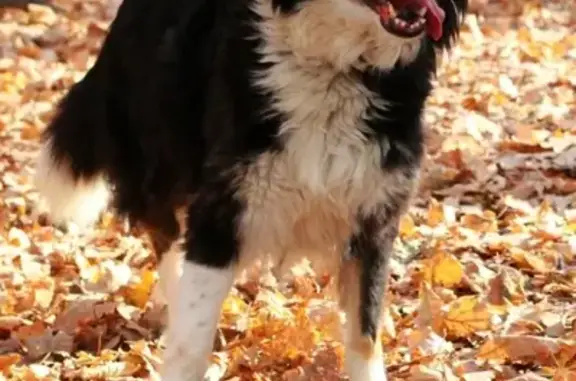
(208, 271)
(363, 278)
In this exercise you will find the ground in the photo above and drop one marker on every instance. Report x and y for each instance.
(483, 283)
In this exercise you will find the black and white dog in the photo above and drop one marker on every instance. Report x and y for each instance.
(279, 127)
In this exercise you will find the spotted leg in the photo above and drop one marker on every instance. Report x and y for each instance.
(207, 274)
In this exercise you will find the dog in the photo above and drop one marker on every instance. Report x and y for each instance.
(253, 129)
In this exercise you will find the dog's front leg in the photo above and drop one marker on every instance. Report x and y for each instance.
(193, 320)
(208, 271)
(363, 279)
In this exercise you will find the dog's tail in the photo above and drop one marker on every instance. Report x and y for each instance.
(70, 172)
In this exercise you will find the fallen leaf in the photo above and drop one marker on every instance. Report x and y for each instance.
(138, 293)
(444, 269)
(520, 348)
(467, 316)
(6, 361)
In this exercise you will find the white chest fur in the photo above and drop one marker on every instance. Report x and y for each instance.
(307, 197)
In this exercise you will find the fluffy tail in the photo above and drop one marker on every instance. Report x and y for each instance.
(70, 169)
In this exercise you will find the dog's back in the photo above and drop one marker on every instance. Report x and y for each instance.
(114, 134)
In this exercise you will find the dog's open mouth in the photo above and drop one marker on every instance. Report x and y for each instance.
(410, 18)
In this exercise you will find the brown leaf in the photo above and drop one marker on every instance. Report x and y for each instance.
(49, 342)
(83, 311)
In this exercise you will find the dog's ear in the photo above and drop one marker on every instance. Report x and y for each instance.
(454, 10)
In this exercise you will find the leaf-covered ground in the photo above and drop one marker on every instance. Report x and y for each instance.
(483, 284)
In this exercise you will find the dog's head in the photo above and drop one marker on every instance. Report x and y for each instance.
(358, 33)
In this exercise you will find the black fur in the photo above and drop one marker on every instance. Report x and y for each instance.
(375, 238)
(287, 6)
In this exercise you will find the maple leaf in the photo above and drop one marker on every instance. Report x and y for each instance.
(467, 316)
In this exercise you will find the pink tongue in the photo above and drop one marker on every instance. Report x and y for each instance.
(434, 17)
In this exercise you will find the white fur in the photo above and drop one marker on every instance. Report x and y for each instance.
(66, 199)
(360, 368)
(341, 34)
(169, 273)
(304, 199)
(191, 328)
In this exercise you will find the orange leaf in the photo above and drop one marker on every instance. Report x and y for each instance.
(139, 293)
(467, 316)
(6, 361)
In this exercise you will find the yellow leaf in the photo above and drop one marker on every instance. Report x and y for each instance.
(467, 316)
(444, 269)
(139, 293)
(407, 226)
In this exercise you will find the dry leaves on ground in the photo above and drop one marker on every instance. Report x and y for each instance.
(483, 284)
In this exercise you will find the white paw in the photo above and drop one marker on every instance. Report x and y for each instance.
(184, 369)
(361, 368)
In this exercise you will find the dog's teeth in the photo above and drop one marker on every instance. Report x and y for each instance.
(422, 11)
(401, 24)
